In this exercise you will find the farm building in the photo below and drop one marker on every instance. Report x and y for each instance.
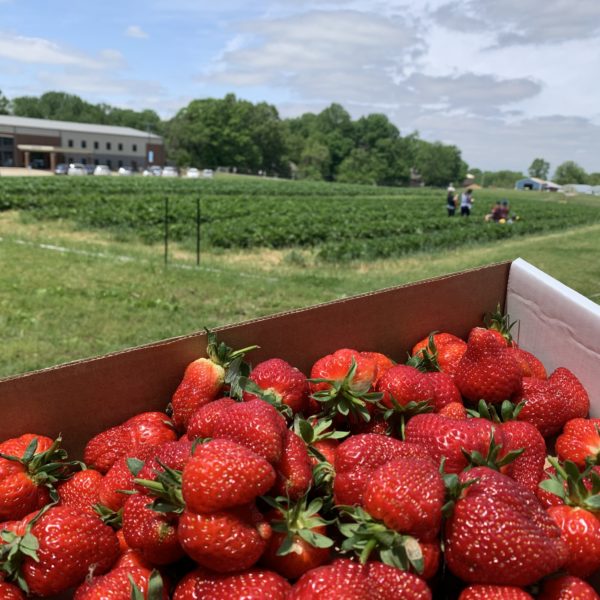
(43, 144)
(536, 184)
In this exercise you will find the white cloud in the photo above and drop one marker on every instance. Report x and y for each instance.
(135, 31)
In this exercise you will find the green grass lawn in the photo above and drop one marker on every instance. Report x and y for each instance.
(101, 295)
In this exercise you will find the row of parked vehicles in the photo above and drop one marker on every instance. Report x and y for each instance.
(152, 171)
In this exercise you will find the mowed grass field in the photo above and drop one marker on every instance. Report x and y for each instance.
(83, 274)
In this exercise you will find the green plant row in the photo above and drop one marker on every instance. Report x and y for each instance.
(340, 222)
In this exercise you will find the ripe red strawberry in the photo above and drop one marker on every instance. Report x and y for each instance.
(153, 534)
(81, 491)
(530, 365)
(449, 350)
(254, 424)
(571, 388)
(446, 438)
(294, 469)
(225, 541)
(348, 580)
(146, 429)
(486, 370)
(550, 404)
(299, 541)
(405, 384)
(203, 379)
(202, 421)
(581, 532)
(359, 456)
(383, 362)
(280, 383)
(186, 588)
(407, 494)
(499, 534)
(254, 584)
(454, 410)
(528, 468)
(340, 384)
(174, 455)
(567, 587)
(70, 543)
(223, 474)
(30, 466)
(444, 390)
(579, 441)
(494, 592)
(10, 592)
(119, 583)
(548, 499)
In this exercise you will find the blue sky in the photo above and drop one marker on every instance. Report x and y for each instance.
(505, 80)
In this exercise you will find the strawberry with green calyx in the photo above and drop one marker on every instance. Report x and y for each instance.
(204, 378)
(494, 592)
(299, 541)
(405, 385)
(407, 494)
(320, 439)
(80, 490)
(341, 384)
(383, 362)
(30, 468)
(500, 322)
(447, 348)
(496, 457)
(151, 533)
(351, 580)
(58, 549)
(280, 384)
(123, 583)
(487, 370)
(223, 474)
(499, 534)
(577, 514)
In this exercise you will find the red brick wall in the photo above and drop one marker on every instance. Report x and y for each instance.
(32, 140)
(159, 153)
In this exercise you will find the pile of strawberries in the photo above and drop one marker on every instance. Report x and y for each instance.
(466, 472)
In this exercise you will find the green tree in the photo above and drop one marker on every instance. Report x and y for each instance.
(570, 172)
(439, 164)
(539, 168)
(502, 179)
(315, 160)
(4, 104)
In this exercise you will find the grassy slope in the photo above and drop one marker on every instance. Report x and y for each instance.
(57, 307)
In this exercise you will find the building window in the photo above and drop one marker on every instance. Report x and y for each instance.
(120, 164)
(70, 143)
(96, 161)
(71, 160)
(84, 161)
(83, 144)
(120, 146)
(96, 144)
(135, 147)
(108, 145)
(109, 163)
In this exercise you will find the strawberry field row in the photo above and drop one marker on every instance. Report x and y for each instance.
(341, 222)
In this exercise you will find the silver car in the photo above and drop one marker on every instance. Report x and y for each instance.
(101, 170)
(76, 169)
(170, 172)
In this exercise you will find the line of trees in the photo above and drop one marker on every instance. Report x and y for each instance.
(236, 133)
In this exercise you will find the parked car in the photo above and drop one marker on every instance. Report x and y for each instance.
(193, 173)
(61, 169)
(208, 173)
(77, 169)
(101, 170)
(170, 172)
(153, 171)
(125, 171)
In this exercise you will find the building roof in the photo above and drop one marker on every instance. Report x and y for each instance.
(11, 121)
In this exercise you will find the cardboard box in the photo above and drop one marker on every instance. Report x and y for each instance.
(82, 398)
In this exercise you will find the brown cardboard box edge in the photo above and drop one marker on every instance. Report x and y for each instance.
(81, 398)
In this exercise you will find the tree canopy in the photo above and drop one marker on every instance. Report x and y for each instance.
(539, 168)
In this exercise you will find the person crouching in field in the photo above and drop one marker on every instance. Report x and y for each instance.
(466, 201)
(451, 201)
